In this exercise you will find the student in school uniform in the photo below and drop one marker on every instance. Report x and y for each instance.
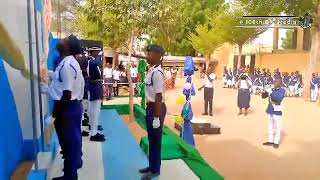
(225, 71)
(293, 84)
(299, 85)
(123, 77)
(96, 93)
(155, 111)
(286, 81)
(244, 96)
(314, 87)
(274, 113)
(229, 78)
(67, 89)
(107, 74)
(208, 92)
(116, 81)
(257, 85)
(134, 76)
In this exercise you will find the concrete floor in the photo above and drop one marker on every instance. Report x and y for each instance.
(238, 153)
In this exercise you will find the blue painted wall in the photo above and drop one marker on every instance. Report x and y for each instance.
(11, 140)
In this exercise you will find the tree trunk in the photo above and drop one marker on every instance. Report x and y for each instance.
(312, 66)
(115, 59)
(131, 115)
(314, 56)
(207, 58)
(239, 55)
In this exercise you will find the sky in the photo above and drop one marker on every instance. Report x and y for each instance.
(266, 38)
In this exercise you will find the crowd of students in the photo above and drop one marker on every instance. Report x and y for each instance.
(116, 77)
(263, 80)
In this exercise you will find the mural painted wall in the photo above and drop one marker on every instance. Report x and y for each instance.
(15, 105)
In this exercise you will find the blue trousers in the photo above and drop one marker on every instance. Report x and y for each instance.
(68, 124)
(155, 137)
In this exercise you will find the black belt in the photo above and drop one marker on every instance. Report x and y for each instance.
(71, 101)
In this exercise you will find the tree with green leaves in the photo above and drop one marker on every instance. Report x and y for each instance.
(174, 35)
(226, 24)
(206, 40)
(287, 41)
(119, 22)
(228, 20)
(64, 12)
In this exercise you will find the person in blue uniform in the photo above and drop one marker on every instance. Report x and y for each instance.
(156, 110)
(83, 62)
(258, 83)
(286, 81)
(225, 72)
(229, 78)
(292, 84)
(314, 87)
(274, 113)
(67, 91)
(299, 85)
(95, 87)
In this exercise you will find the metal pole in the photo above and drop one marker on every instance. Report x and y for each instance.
(38, 72)
(34, 123)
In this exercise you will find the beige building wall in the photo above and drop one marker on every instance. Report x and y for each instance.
(285, 61)
(224, 56)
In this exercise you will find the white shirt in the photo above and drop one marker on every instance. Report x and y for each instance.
(158, 85)
(134, 72)
(116, 75)
(107, 72)
(71, 78)
(209, 84)
(244, 84)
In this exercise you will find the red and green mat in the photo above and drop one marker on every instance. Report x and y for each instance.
(173, 147)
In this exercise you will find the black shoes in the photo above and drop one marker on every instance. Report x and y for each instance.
(144, 170)
(85, 115)
(276, 146)
(149, 176)
(267, 144)
(210, 114)
(204, 114)
(98, 138)
(85, 122)
(85, 133)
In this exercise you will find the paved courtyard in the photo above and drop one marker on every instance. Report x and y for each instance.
(237, 152)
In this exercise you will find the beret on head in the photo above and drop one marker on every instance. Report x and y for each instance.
(75, 45)
(95, 49)
(156, 49)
